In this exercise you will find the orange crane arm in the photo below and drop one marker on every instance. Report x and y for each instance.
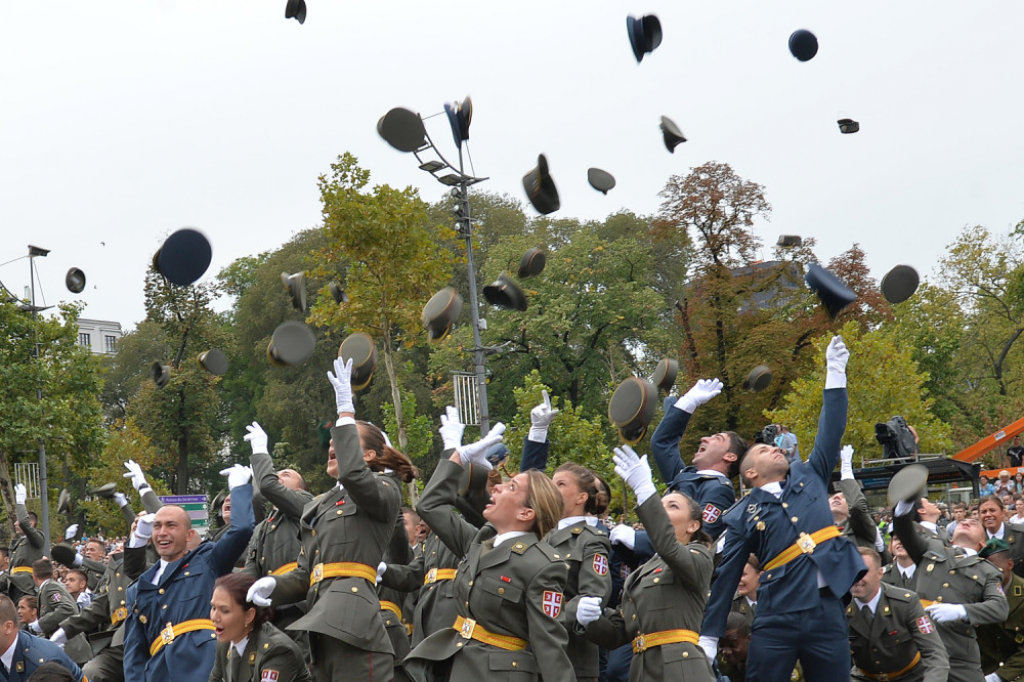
(990, 442)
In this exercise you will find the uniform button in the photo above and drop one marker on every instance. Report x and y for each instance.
(162, 590)
(686, 654)
(187, 573)
(313, 533)
(458, 644)
(471, 583)
(945, 584)
(355, 589)
(164, 606)
(556, 556)
(501, 590)
(515, 664)
(120, 589)
(566, 556)
(339, 512)
(657, 580)
(467, 605)
(785, 505)
(795, 519)
(634, 616)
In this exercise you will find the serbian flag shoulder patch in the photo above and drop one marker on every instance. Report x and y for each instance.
(924, 625)
(269, 676)
(552, 603)
(710, 513)
(600, 564)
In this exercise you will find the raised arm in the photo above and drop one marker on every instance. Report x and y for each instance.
(290, 502)
(536, 444)
(375, 494)
(832, 421)
(436, 509)
(34, 536)
(665, 442)
(232, 544)
(692, 565)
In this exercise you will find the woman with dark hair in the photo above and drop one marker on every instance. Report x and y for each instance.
(663, 601)
(249, 647)
(510, 585)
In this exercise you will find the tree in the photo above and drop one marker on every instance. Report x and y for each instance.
(44, 355)
(883, 381)
(395, 263)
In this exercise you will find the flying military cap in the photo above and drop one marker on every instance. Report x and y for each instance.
(213, 361)
(496, 454)
(64, 502)
(296, 9)
(295, 285)
(63, 553)
(600, 180)
(75, 280)
(292, 344)
(402, 129)
(161, 374)
(440, 313)
(644, 34)
(532, 263)
(803, 45)
(665, 374)
(337, 293)
(460, 115)
(505, 293)
(362, 350)
(184, 256)
(540, 188)
(632, 407)
(994, 546)
(787, 240)
(472, 494)
(672, 134)
(105, 491)
(834, 295)
(899, 284)
(848, 126)
(759, 378)
(909, 484)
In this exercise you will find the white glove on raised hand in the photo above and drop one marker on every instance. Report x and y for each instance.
(846, 462)
(259, 593)
(451, 429)
(59, 638)
(341, 379)
(20, 493)
(623, 534)
(540, 419)
(702, 391)
(836, 357)
(71, 531)
(588, 609)
(381, 570)
(477, 452)
(710, 647)
(946, 613)
(120, 499)
(636, 472)
(144, 528)
(135, 473)
(237, 475)
(257, 438)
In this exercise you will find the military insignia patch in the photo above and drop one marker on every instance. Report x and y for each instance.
(1000, 586)
(924, 625)
(552, 603)
(710, 513)
(55, 597)
(600, 564)
(269, 676)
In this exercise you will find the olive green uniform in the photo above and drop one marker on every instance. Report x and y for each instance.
(55, 604)
(352, 524)
(898, 638)
(946, 575)
(26, 550)
(1013, 534)
(269, 655)
(891, 574)
(742, 606)
(666, 593)
(1002, 644)
(515, 590)
(586, 551)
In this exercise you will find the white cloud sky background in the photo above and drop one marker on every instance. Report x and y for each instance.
(123, 121)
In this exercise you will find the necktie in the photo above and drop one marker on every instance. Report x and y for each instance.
(867, 613)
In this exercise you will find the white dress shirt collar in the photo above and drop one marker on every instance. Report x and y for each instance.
(873, 604)
(501, 537)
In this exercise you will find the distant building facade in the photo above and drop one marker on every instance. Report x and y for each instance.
(100, 336)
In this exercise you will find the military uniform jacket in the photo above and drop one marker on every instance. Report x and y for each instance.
(270, 656)
(94, 572)
(182, 594)
(1014, 536)
(275, 543)
(352, 524)
(397, 552)
(946, 574)
(891, 574)
(108, 610)
(515, 589)
(766, 526)
(1002, 644)
(30, 652)
(436, 607)
(899, 630)
(25, 550)
(859, 527)
(55, 604)
(743, 607)
(666, 593)
(585, 550)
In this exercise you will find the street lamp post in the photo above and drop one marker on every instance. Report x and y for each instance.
(33, 253)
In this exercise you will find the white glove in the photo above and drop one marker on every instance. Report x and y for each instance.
(903, 508)
(20, 493)
(381, 568)
(993, 677)
(135, 473)
(259, 593)
(451, 429)
(476, 452)
(623, 534)
(144, 528)
(946, 613)
(34, 626)
(540, 419)
(836, 357)
(237, 475)
(702, 391)
(257, 438)
(846, 463)
(879, 540)
(59, 638)
(710, 647)
(588, 609)
(636, 472)
(341, 379)
(120, 499)
(71, 532)
(77, 561)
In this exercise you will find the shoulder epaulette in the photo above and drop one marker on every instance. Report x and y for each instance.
(899, 594)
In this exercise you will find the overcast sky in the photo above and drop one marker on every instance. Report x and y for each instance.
(123, 121)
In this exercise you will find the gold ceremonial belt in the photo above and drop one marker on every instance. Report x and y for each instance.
(169, 633)
(343, 569)
(287, 568)
(643, 642)
(804, 545)
(21, 569)
(469, 629)
(885, 677)
(435, 574)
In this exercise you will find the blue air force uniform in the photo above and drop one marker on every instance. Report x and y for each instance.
(800, 612)
(181, 599)
(30, 652)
